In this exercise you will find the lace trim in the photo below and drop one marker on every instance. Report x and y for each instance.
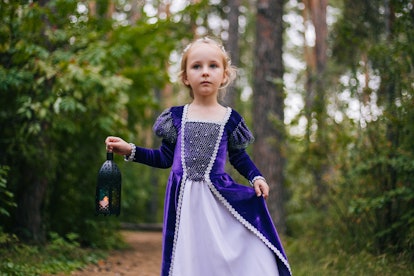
(131, 157)
(248, 225)
(257, 178)
(216, 147)
(181, 192)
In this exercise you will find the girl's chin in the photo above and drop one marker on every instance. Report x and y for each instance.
(206, 90)
(206, 94)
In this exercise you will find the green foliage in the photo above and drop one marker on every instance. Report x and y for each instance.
(380, 209)
(325, 255)
(6, 196)
(365, 215)
(380, 175)
(341, 239)
(57, 105)
(68, 80)
(61, 254)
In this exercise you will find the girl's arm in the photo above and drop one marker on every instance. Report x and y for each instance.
(244, 165)
(160, 158)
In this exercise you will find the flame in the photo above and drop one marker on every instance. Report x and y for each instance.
(104, 202)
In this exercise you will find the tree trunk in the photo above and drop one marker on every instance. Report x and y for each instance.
(29, 211)
(268, 104)
(35, 175)
(233, 47)
(31, 194)
(315, 102)
(392, 136)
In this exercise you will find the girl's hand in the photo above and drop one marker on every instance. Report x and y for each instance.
(117, 145)
(261, 188)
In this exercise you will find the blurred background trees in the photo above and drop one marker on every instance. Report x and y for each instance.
(331, 104)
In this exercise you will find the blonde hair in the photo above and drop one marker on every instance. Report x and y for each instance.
(229, 70)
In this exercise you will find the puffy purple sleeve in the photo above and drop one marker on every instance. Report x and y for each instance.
(164, 127)
(239, 138)
(164, 155)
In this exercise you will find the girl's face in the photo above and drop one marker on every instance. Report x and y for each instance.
(205, 72)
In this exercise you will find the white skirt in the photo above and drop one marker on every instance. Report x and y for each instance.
(212, 242)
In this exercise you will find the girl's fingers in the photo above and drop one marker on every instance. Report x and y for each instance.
(111, 139)
(262, 189)
(113, 144)
(265, 191)
(257, 189)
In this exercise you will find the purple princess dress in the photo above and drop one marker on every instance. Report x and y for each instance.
(212, 225)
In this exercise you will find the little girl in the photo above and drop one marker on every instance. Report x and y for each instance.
(212, 225)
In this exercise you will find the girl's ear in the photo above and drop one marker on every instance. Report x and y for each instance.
(225, 79)
(184, 79)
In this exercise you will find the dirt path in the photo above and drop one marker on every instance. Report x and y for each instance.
(143, 258)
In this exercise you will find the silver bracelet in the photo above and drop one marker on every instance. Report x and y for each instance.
(257, 178)
(131, 157)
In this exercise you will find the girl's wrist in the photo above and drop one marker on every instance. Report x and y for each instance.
(131, 156)
(259, 177)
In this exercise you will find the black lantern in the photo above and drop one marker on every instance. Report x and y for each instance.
(108, 189)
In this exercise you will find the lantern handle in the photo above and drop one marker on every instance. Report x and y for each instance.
(109, 155)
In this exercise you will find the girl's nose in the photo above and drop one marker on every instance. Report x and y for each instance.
(205, 70)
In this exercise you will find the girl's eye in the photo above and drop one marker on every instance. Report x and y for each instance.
(196, 66)
(214, 65)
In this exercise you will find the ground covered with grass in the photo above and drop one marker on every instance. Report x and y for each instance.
(321, 257)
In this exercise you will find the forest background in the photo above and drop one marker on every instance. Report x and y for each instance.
(326, 86)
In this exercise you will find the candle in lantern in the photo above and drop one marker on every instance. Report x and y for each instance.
(104, 202)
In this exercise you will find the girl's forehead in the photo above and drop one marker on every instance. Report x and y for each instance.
(205, 50)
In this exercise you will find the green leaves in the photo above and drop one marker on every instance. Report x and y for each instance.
(6, 196)
(69, 77)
